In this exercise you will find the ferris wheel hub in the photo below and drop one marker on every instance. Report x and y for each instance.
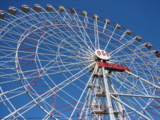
(103, 55)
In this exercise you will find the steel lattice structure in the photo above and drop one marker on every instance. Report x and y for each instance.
(62, 63)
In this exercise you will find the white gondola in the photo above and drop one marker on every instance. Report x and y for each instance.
(61, 9)
(106, 21)
(95, 17)
(25, 8)
(84, 13)
(49, 7)
(128, 32)
(72, 11)
(37, 7)
(157, 53)
(148, 45)
(1, 14)
(12, 10)
(138, 38)
(117, 26)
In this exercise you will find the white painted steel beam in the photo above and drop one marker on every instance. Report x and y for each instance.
(144, 80)
(133, 109)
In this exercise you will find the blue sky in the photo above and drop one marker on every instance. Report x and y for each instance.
(140, 16)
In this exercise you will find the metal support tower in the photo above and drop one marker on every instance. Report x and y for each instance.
(99, 102)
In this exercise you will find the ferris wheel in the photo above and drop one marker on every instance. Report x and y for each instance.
(61, 63)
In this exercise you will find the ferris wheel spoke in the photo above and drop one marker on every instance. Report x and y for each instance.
(73, 76)
(141, 107)
(16, 26)
(66, 41)
(9, 40)
(131, 95)
(43, 54)
(33, 19)
(5, 97)
(61, 46)
(88, 93)
(52, 73)
(67, 69)
(128, 85)
(124, 82)
(145, 81)
(97, 46)
(122, 47)
(12, 32)
(142, 110)
(67, 103)
(155, 106)
(75, 108)
(28, 106)
(83, 31)
(81, 45)
(126, 58)
(59, 85)
(13, 96)
(110, 39)
(43, 68)
(77, 20)
(45, 74)
(13, 90)
(53, 116)
(137, 73)
(53, 51)
(70, 26)
(3, 63)
(133, 109)
(64, 65)
(105, 27)
(26, 22)
(11, 23)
